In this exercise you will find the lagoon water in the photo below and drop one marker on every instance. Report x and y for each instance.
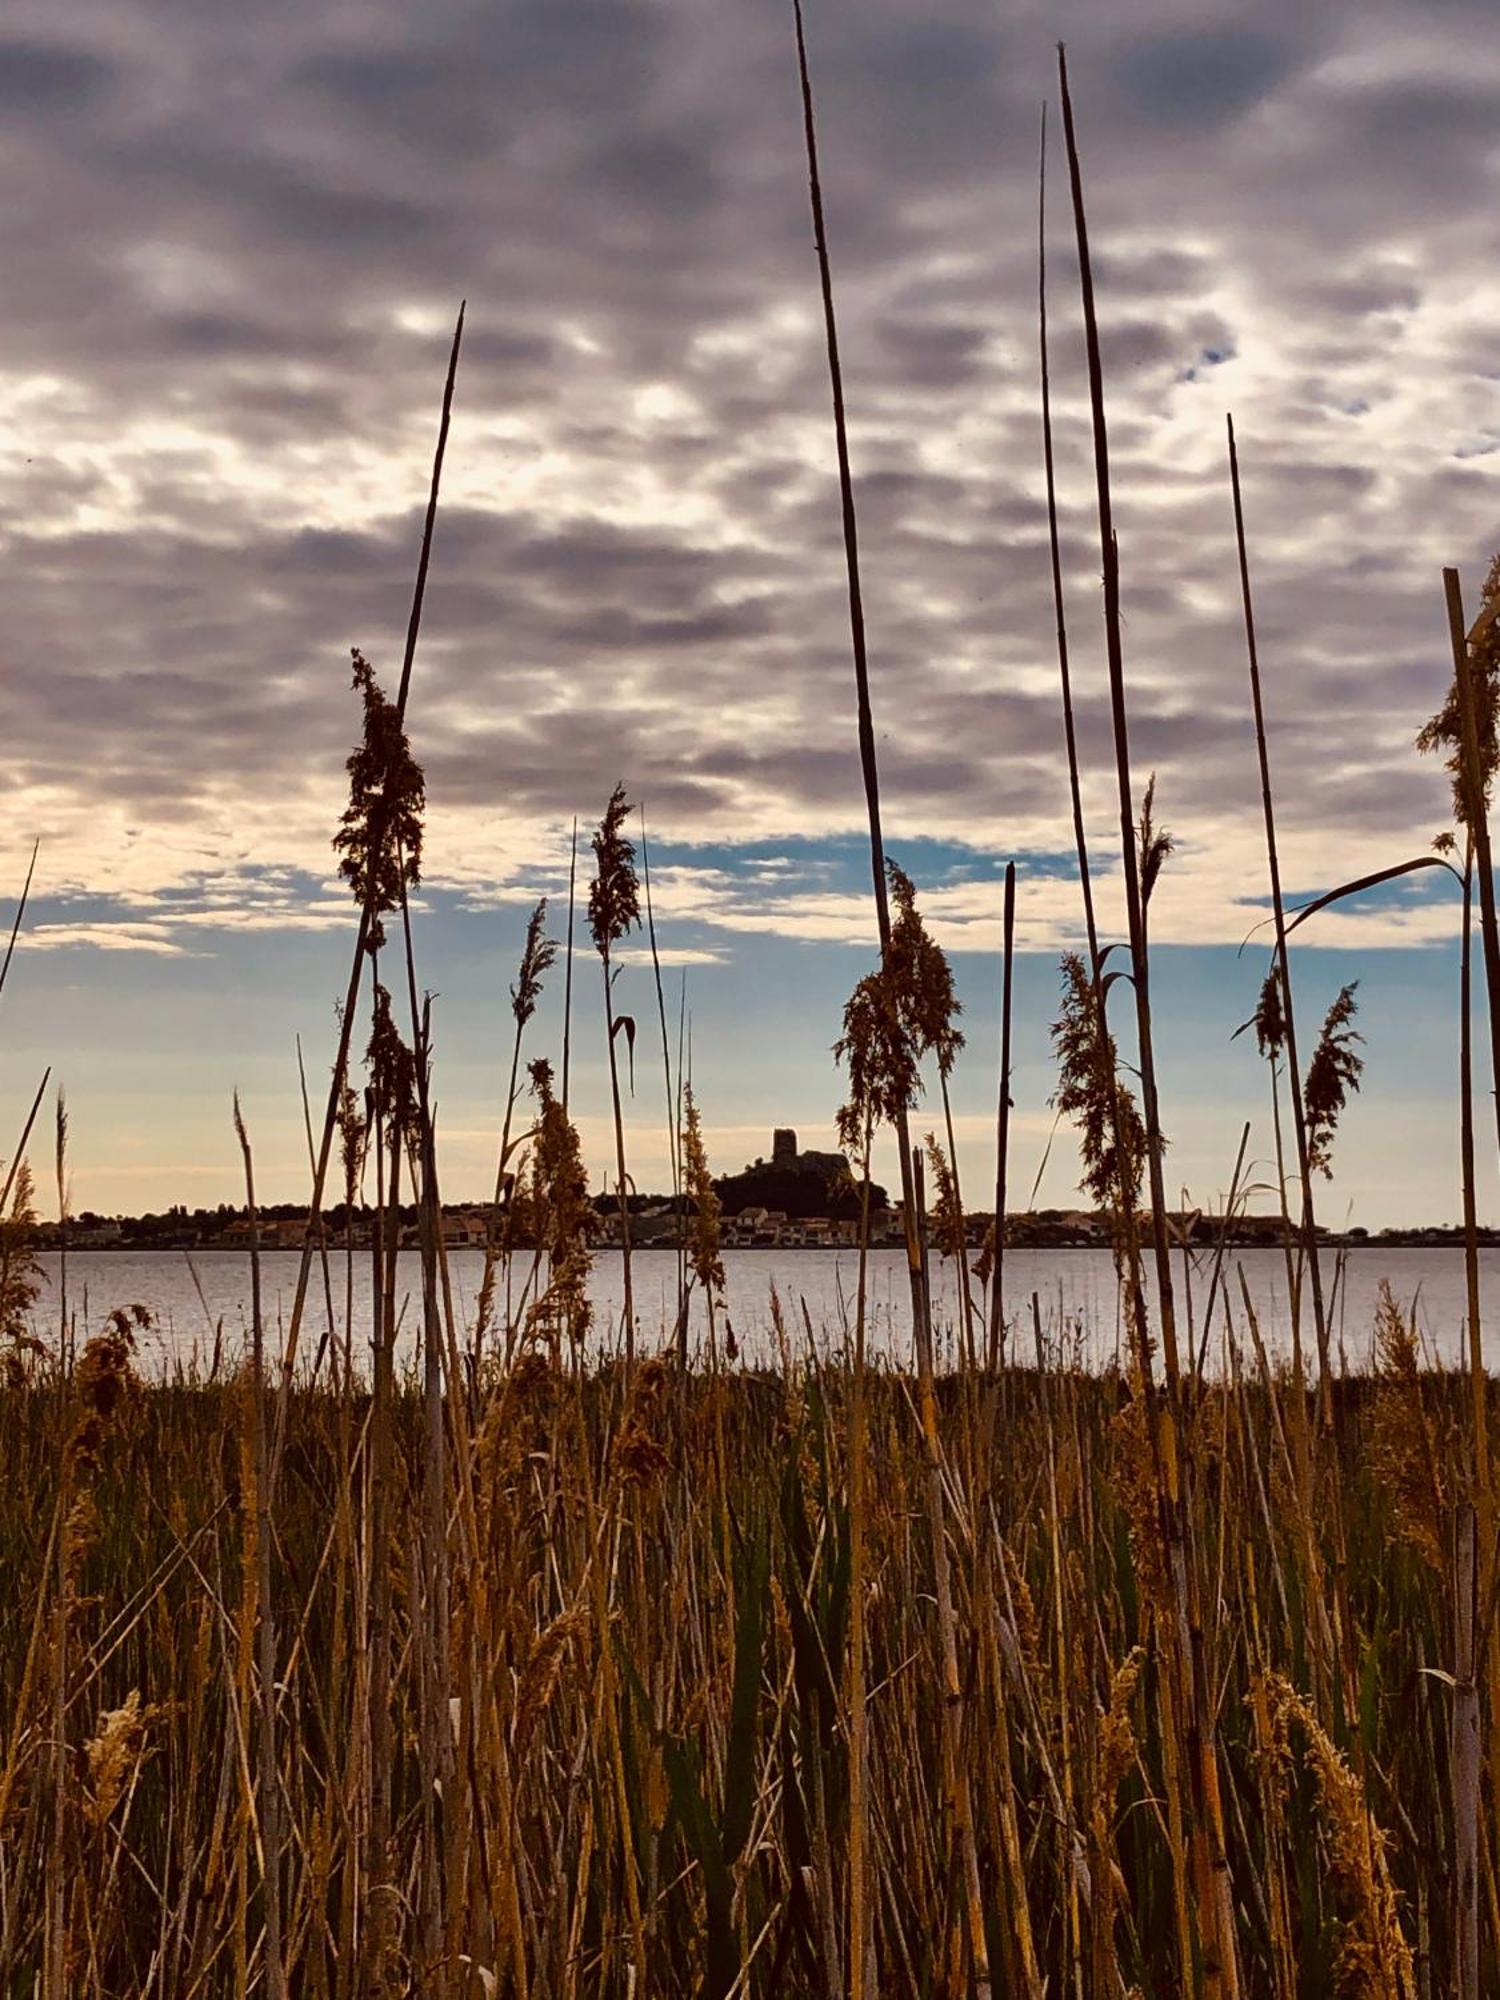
(201, 1298)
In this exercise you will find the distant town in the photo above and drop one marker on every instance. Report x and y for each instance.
(794, 1200)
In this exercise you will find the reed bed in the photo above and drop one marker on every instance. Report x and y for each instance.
(649, 1611)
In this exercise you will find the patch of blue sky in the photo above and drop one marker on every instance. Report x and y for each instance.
(843, 862)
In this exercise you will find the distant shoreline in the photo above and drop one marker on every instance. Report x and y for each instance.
(1417, 1240)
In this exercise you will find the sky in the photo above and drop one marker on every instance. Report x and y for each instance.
(234, 247)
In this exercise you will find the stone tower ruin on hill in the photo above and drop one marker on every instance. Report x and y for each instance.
(796, 1184)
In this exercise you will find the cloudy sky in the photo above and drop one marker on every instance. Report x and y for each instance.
(234, 242)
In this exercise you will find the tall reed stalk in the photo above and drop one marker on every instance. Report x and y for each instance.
(614, 911)
(859, 1932)
(435, 1732)
(1122, 1196)
(1476, 1557)
(1283, 957)
(954, 1753)
(1002, 1126)
(1054, 545)
(64, 1216)
(1489, 923)
(1212, 1888)
(1330, 1624)
(268, 1803)
(567, 1032)
(368, 913)
(674, 1121)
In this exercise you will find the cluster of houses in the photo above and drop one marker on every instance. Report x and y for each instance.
(656, 1227)
(463, 1229)
(795, 1200)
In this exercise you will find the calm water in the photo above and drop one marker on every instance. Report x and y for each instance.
(195, 1296)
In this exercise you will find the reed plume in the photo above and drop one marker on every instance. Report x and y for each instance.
(1374, 1958)
(1443, 733)
(1090, 1091)
(1404, 1447)
(560, 1190)
(1154, 844)
(704, 1258)
(379, 841)
(1332, 1075)
(20, 1276)
(114, 1753)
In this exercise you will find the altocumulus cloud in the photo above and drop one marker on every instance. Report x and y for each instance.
(234, 241)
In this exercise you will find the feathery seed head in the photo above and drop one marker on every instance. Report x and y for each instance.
(1111, 1135)
(114, 1754)
(703, 1244)
(537, 956)
(895, 1016)
(1445, 731)
(1153, 844)
(614, 894)
(379, 841)
(393, 1072)
(560, 1191)
(1334, 1072)
(1269, 1019)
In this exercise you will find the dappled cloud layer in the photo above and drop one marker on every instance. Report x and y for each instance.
(234, 245)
